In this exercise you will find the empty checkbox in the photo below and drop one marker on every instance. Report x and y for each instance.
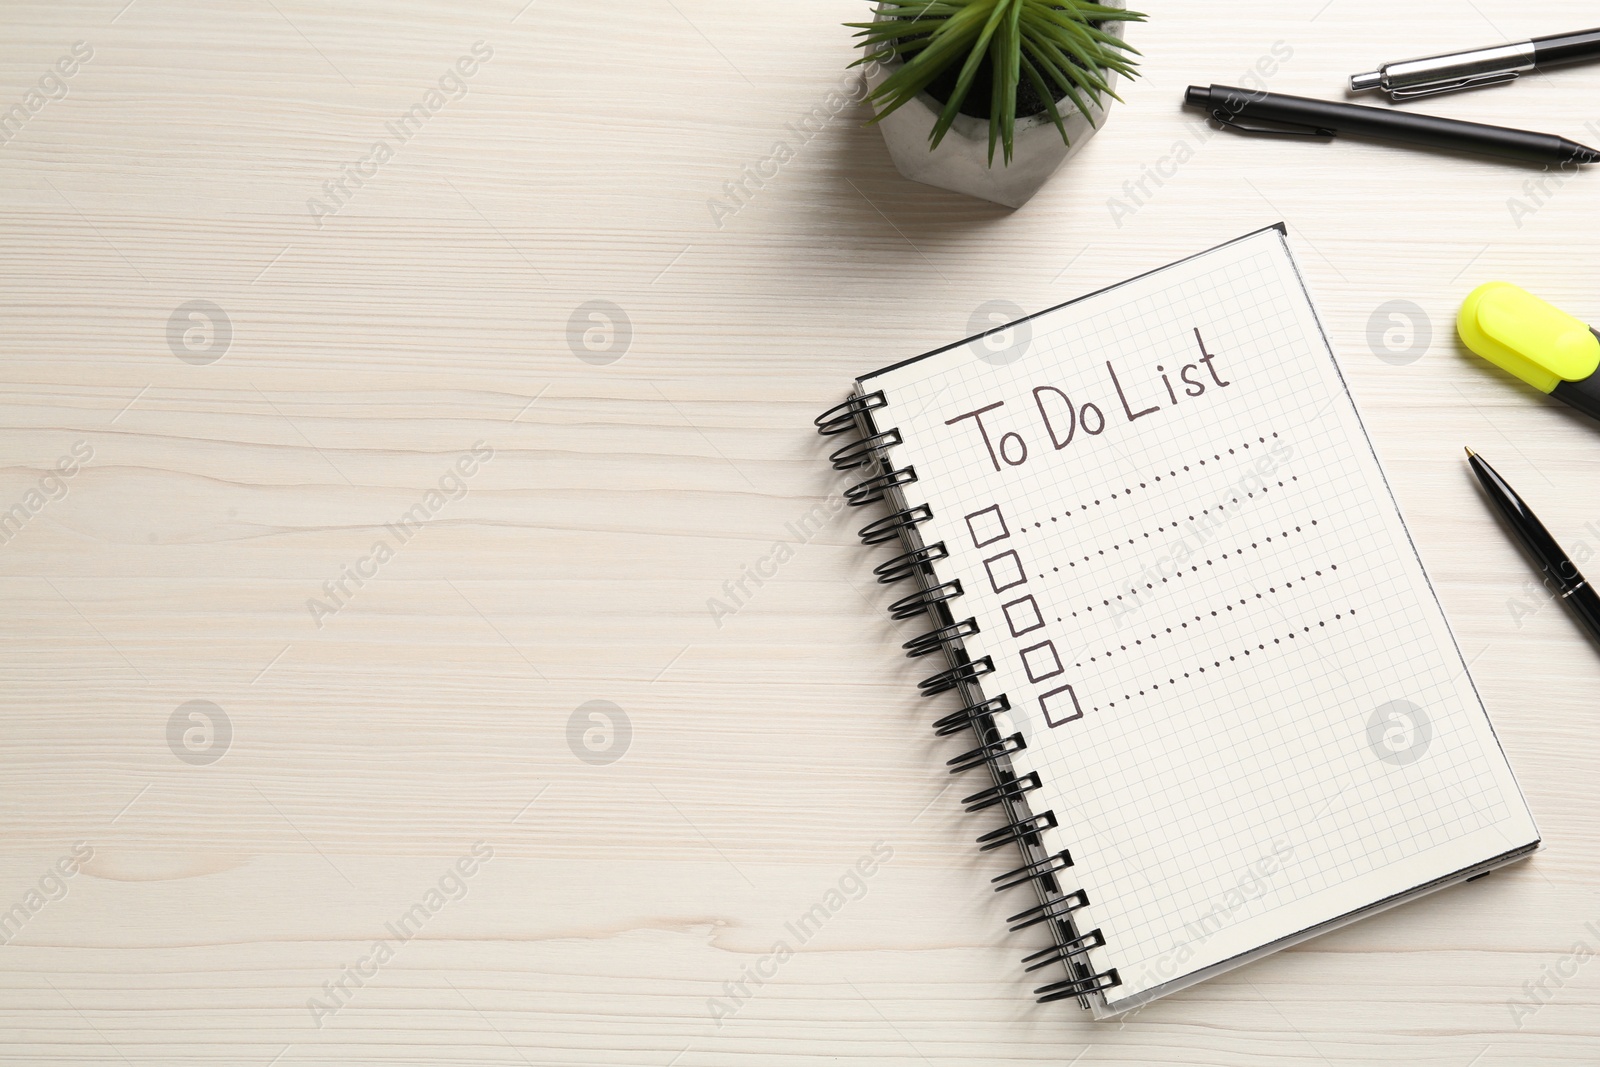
(1022, 616)
(1041, 661)
(1005, 570)
(1060, 706)
(987, 526)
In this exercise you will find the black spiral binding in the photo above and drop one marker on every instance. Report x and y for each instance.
(1008, 791)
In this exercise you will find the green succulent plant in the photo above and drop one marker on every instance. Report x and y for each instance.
(1059, 46)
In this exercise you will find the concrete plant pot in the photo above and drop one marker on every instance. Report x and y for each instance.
(961, 162)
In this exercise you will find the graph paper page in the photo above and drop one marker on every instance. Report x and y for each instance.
(1218, 642)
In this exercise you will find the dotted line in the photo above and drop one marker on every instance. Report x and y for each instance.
(1128, 490)
(1239, 551)
(1216, 664)
(1175, 525)
(1108, 653)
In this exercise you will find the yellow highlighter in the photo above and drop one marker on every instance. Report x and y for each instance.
(1541, 344)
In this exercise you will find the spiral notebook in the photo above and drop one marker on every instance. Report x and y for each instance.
(1217, 701)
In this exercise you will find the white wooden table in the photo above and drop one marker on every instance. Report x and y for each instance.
(378, 840)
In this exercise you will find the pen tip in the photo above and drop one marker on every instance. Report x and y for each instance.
(1470, 452)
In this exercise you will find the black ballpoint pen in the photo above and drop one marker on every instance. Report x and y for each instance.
(1228, 104)
(1428, 75)
(1561, 575)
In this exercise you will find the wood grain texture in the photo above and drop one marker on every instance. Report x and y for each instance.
(373, 347)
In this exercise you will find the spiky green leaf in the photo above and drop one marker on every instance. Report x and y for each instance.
(1061, 47)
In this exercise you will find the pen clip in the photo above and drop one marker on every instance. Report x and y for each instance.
(1269, 131)
(1476, 81)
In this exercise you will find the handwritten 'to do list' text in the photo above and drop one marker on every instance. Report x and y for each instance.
(1068, 418)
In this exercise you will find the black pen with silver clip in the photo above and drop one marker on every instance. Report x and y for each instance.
(1430, 75)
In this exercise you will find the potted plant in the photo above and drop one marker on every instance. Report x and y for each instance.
(954, 80)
